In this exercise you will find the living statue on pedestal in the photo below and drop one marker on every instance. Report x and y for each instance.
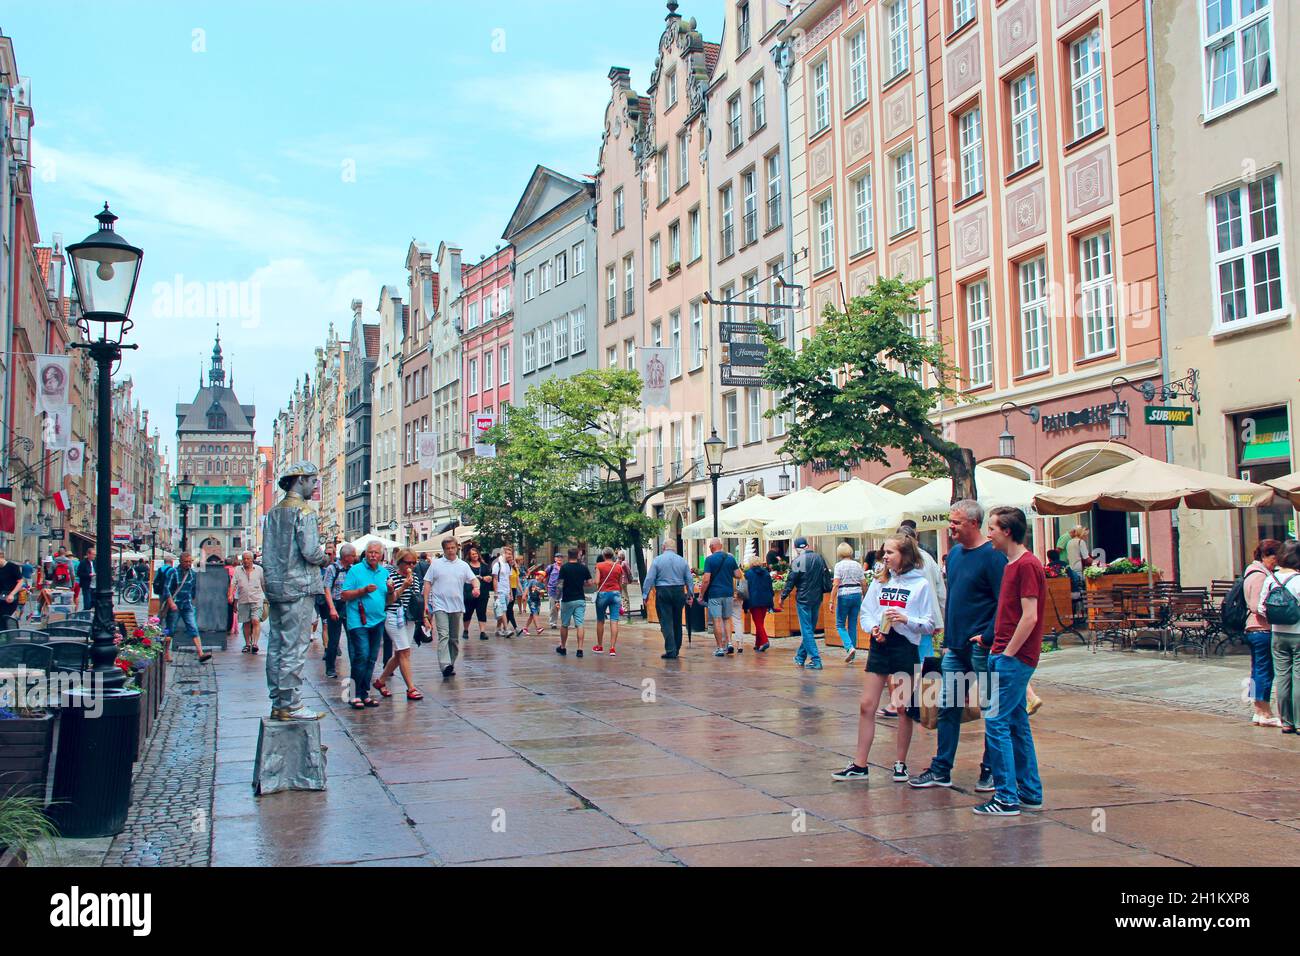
(291, 555)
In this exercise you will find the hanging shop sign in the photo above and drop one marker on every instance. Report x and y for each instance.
(1161, 415)
(727, 329)
(752, 354)
(741, 379)
(1083, 418)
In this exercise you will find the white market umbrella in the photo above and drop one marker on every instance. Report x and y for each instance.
(1289, 485)
(366, 540)
(743, 519)
(790, 511)
(929, 505)
(854, 508)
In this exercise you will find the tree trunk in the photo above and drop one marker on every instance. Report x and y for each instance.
(638, 555)
(962, 466)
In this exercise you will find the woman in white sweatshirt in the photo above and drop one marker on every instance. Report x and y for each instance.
(898, 611)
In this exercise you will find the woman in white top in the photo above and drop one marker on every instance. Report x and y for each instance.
(898, 610)
(502, 568)
(846, 598)
(1286, 638)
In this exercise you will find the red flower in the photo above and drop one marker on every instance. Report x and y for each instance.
(125, 665)
(138, 632)
(147, 643)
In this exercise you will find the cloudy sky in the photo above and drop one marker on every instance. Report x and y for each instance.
(291, 151)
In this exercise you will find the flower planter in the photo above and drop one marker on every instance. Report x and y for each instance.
(1059, 612)
(25, 746)
(1107, 582)
(10, 857)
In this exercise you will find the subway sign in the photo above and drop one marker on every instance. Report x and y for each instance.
(1160, 415)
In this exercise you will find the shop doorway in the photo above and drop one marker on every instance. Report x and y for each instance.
(1262, 450)
(1111, 534)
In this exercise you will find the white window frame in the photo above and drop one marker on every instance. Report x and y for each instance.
(560, 332)
(898, 33)
(683, 160)
(1024, 121)
(693, 219)
(1087, 85)
(529, 286)
(754, 411)
(757, 104)
(561, 268)
(674, 243)
(579, 257)
(578, 330)
(731, 419)
(656, 259)
(1231, 39)
(675, 342)
(749, 192)
(530, 352)
(545, 345)
(743, 22)
(1248, 251)
(670, 90)
(697, 335)
(855, 48)
(544, 277)
(1097, 293)
(503, 363)
(864, 238)
(904, 190)
(489, 370)
(735, 124)
(963, 12)
(619, 220)
(664, 174)
(727, 222)
(472, 376)
(821, 87)
(970, 127)
(979, 334)
(1035, 321)
(774, 211)
(825, 206)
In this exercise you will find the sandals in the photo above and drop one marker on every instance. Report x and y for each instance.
(382, 688)
(357, 704)
(414, 694)
(371, 702)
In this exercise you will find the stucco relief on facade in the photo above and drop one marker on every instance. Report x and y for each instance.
(823, 28)
(963, 68)
(862, 280)
(902, 262)
(1069, 9)
(1088, 183)
(898, 112)
(857, 138)
(820, 167)
(1017, 30)
(971, 238)
(1026, 212)
(823, 296)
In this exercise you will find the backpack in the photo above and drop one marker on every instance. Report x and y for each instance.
(1234, 612)
(62, 575)
(160, 582)
(1281, 606)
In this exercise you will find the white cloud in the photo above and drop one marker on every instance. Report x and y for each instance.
(545, 105)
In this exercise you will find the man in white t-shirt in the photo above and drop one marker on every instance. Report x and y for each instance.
(444, 601)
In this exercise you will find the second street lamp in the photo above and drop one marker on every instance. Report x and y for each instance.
(713, 449)
(184, 492)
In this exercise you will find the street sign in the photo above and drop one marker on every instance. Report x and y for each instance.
(727, 329)
(1160, 415)
(741, 380)
(749, 353)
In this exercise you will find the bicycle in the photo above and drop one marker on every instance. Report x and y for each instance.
(131, 592)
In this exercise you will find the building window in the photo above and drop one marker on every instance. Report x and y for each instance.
(773, 191)
(1086, 99)
(611, 356)
(683, 160)
(545, 345)
(693, 220)
(579, 258)
(675, 342)
(663, 174)
(528, 286)
(578, 330)
(560, 330)
(670, 90)
(1097, 294)
(732, 420)
(504, 362)
(1034, 330)
(611, 295)
(674, 244)
(629, 285)
(1238, 41)
(1024, 121)
(749, 189)
(904, 191)
(776, 293)
(742, 27)
(821, 95)
(735, 133)
(561, 267)
(697, 336)
(629, 354)
(727, 226)
(863, 214)
(971, 136)
(473, 376)
(978, 333)
(896, 17)
(676, 429)
(544, 278)
(825, 234)
(618, 209)
(755, 396)
(758, 104)
(656, 334)
(472, 314)
(654, 259)
(1247, 252)
(857, 48)
(697, 445)
(751, 296)
(963, 12)
(489, 376)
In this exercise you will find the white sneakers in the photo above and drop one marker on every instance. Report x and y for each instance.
(1261, 721)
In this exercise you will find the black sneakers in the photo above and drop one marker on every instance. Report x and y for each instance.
(928, 778)
(851, 772)
(448, 671)
(1027, 805)
(578, 652)
(900, 771)
(985, 784)
(561, 651)
(995, 809)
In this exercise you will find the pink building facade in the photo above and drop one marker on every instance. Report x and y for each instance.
(486, 311)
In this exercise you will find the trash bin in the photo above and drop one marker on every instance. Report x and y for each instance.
(92, 768)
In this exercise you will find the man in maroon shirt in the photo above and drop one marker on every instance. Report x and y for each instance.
(1017, 644)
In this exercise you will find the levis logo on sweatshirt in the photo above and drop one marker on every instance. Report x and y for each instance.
(893, 595)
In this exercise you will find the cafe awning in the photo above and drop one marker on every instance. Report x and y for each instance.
(929, 505)
(853, 508)
(1289, 485)
(744, 518)
(790, 511)
(1148, 484)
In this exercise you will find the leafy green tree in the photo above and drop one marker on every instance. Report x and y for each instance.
(864, 384)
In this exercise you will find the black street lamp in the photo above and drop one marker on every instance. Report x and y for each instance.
(1007, 441)
(155, 519)
(713, 449)
(105, 268)
(184, 492)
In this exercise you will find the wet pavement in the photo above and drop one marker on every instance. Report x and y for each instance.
(529, 758)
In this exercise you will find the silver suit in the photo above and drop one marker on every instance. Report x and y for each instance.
(291, 557)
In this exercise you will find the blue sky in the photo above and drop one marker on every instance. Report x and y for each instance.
(295, 149)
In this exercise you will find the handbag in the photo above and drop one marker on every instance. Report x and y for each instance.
(266, 611)
(1281, 606)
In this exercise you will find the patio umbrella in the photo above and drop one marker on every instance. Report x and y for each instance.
(1148, 484)
(929, 505)
(790, 511)
(366, 540)
(1289, 485)
(742, 519)
(853, 508)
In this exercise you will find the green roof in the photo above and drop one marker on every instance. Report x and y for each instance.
(217, 495)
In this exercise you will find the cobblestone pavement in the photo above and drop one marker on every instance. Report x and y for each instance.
(529, 758)
(169, 823)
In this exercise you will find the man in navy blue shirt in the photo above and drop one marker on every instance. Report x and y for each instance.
(719, 589)
(974, 583)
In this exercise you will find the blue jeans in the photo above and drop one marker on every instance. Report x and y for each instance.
(953, 666)
(182, 616)
(808, 633)
(1008, 740)
(847, 606)
(608, 605)
(1261, 665)
(363, 650)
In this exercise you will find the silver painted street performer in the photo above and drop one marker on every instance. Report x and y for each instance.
(291, 554)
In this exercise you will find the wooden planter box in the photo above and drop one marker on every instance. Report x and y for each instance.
(1107, 582)
(152, 684)
(1059, 612)
(25, 746)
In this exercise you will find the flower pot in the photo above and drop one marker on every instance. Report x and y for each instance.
(11, 857)
(25, 746)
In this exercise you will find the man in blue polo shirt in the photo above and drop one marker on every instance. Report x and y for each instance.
(974, 582)
(365, 588)
(719, 590)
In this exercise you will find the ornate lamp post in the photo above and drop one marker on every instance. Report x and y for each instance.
(713, 449)
(105, 268)
(155, 519)
(184, 492)
(1007, 441)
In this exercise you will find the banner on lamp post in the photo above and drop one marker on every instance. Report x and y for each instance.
(74, 459)
(426, 449)
(52, 382)
(653, 364)
(56, 432)
(480, 423)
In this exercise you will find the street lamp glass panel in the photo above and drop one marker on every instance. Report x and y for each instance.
(154, 520)
(185, 490)
(1118, 423)
(105, 268)
(713, 449)
(1007, 444)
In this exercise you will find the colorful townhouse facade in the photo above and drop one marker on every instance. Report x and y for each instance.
(486, 327)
